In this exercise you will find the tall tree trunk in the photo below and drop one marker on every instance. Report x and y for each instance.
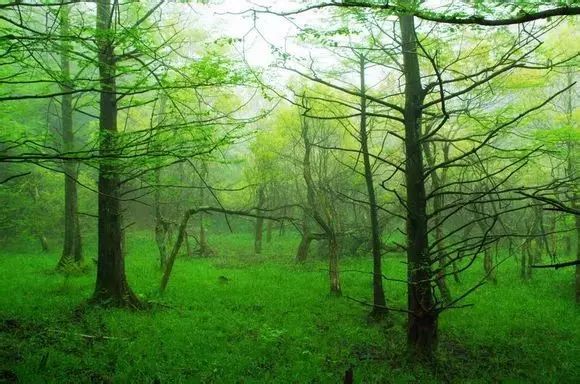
(572, 175)
(575, 205)
(111, 287)
(422, 318)
(379, 302)
(161, 225)
(577, 220)
(72, 250)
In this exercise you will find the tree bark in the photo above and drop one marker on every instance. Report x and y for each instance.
(161, 225)
(438, 204)
(422, 318)
(72, 248)
(269, 226)
(379, 302)
(305, 240)
(259, 228)
(325, 224)
(111, 287)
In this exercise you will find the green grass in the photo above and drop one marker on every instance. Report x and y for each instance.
(273, 322)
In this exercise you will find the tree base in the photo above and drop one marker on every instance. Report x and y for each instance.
(126, 299)
(335, 292)
(422, 336)
(379, 315)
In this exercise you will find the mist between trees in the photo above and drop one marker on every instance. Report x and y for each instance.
(444, 136)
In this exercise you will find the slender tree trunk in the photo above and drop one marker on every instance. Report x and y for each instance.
(325, 224)
(282, 229)
(259, 229)
(571, 171)
(161, 225)
(422, 318)
(269, 231)
(111, 287)
(438, 204)
(523, 267)
(488, 266)
(204, 249)
(188, 246)
(575, 205)
(72, 250)
(203, 246)
(379, 302)
(577, 256)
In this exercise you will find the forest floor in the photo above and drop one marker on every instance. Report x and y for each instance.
(239, 318)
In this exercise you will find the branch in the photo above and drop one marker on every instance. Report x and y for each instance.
(456, 18)
(558, 265)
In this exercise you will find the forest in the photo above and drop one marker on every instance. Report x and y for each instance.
(304, 191)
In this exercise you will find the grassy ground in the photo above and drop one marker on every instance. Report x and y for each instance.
(273, 322)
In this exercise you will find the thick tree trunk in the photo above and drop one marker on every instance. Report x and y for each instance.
(379, 302)
(111, 288)
(422, 318)
(72, 250)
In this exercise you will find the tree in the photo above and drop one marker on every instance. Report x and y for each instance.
(72, 246)
(431, 102)
(111, 287)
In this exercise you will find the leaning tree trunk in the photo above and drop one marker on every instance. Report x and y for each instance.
(422, 318)
(379, 302)
(72, 250)
(305, 240)
(111, 288)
